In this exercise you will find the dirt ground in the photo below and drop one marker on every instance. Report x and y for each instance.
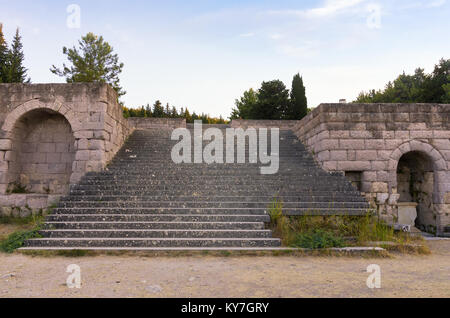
(242, 276)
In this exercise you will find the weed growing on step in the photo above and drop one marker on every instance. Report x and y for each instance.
(30, 225)
(317, 231)
(317, 238)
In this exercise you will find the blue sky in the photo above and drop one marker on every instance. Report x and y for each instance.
(204, 54)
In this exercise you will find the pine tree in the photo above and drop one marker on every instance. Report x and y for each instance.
(273, 101)
(11, 61)
(93, 61)
(158, 109)
(299, 105)
(3, 55)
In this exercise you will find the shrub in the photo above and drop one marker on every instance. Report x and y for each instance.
(17, 239)
(317, 238)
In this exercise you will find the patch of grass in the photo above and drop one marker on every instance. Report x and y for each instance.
(317, 231)
(371, 228)
(32, 226)
(318, 238)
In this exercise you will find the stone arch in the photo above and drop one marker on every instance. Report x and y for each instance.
(38, 143)
(423, 168)
(439, 165)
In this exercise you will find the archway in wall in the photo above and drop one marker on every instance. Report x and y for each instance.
(42, 153)
(416, 183)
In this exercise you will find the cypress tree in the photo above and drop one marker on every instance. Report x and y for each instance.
(3, 55)
(299, 104)
(15, 71)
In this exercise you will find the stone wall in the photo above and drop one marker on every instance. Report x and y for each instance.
(367, 141)
(51, 135)
(282, 124)
(146, 123)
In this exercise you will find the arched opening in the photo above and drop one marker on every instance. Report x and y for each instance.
(415, 184)
(42, 153)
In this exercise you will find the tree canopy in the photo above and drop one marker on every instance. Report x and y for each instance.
(92, 61)
(416, 88)
(11, 60)
(272, 101)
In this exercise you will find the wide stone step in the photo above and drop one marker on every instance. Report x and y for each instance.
(215, 211)
(156, 233)
(156, 225)
(298, 198)
(208, 192)
(234, 181)
(156, 218)
(197, 205)
(153, 242)
(220, 186)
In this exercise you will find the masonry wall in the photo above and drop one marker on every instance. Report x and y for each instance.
(51, 135)
(282, 124)
(149, 122)
(366, 141)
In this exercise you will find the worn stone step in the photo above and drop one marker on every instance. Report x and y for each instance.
(156, 225)
(208, 192)
(169, 181)
(214, 211)
(156, 233)
(297, 198)
(198, 205)
(156, 218)
(153, 242)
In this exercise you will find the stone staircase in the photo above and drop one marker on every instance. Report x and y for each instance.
(145, 201)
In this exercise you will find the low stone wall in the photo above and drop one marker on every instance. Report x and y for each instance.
(367, 141)
(282, 124)
(149, 122)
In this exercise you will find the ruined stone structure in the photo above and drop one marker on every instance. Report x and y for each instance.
(394, 153)
(51, 135)
(397, 155)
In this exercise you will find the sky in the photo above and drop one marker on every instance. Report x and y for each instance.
(205, 54)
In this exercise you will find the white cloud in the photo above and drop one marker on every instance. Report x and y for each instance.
(329, 8)
(276, 36)
(247, 35)
(306, 50)
(436, 3)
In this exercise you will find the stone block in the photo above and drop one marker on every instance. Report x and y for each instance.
(5, 144)
(379, 187)
(362, 155)
(82, 155)
(375, 144)
(393, 198)
(382, 198)
(354, 165)
(338, 155)
(351, 144)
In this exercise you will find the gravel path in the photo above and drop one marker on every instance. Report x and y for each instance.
(264, 276)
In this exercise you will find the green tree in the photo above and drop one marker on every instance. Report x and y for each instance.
(93, 61)
(273, 101)
(11, 60)
(417, 88)
(245, 106)
(3, 55)
(158, 109)
(299, 104)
